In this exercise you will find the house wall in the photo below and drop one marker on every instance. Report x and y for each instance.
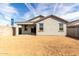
(51, 27)
(73, 31)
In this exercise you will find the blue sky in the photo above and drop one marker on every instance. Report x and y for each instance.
(21, 7)
(26, 11)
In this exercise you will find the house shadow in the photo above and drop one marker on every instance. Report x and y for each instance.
(32, 34)
(76, 38)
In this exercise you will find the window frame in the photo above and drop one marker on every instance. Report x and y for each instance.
(61, 27)
(41, 27)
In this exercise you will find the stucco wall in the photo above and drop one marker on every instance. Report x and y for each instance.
(51, 27)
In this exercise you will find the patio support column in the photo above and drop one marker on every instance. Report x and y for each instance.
(17, 32)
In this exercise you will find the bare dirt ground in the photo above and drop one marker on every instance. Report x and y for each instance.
(29, 45)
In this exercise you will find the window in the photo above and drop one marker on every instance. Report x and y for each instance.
(41, 26)
(60, 27)
(25, 27)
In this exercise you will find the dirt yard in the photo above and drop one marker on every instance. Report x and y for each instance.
(38, 46)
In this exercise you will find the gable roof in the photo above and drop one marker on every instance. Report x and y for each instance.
(54, 17)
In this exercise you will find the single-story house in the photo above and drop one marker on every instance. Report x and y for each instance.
(73, 29)
(40, 25)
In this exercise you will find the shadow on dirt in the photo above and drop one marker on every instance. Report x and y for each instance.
(76, 38)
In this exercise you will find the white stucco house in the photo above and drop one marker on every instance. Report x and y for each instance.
(40, 25)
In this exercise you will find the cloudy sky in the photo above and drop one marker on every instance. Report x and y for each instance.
(26, 11)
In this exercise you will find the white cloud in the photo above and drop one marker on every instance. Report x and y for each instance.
(64, 10)
(2, 21)
(7, 12)
(28, 15)
(6, 8)
(45, 13)
(71, 16)
(40, 10)
(45, 8)
(32, 10)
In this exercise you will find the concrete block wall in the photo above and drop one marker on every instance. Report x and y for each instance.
(6, 31)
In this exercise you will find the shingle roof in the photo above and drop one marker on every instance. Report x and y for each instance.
(54, 17)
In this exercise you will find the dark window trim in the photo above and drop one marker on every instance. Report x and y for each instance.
(61, 27)
(41, 27)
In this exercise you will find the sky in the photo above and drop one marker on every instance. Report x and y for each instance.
(26, 11)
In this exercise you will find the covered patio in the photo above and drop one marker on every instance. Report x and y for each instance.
(27, 28)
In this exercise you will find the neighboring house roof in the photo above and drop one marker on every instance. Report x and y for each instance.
(74, 23)
(42, 18)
